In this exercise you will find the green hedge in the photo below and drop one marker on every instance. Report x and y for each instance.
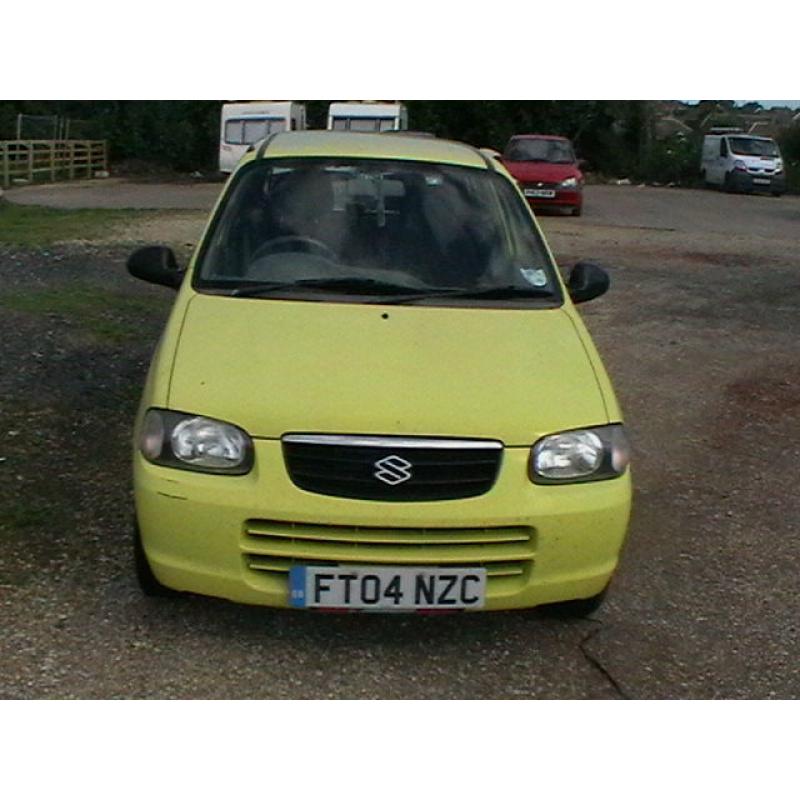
(675, 160)
(790, 147)
(611, 135)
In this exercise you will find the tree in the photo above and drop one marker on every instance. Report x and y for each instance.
(183, 134)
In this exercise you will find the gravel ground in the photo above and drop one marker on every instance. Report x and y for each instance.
(699, 333)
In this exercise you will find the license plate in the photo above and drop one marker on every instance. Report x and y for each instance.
(387, 588)
(539, 192)
(761, 180)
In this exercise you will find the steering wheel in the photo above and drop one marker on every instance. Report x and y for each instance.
(284, 243)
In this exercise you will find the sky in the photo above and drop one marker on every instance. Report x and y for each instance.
(771, 103)
(765, 103)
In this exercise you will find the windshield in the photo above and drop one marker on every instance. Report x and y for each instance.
(252, 129)
(743, 146)
(364, 124)
(553, 151)
(399, 226)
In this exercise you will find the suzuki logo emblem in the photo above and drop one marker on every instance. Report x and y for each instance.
(393, 470)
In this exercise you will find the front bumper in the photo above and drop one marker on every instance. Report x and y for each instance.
(748, 182)
(572, 198)
(234, 537)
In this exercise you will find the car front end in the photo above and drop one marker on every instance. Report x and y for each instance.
(758, 175)
(566, 193)
(546, 171)
(239, 537)
(395, 458)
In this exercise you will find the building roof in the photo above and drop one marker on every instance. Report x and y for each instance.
(333, 144)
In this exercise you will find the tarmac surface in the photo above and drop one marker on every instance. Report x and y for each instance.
(699, 333)
(649, 208)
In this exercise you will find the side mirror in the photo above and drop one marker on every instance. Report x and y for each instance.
(156, 264)
(587, 281)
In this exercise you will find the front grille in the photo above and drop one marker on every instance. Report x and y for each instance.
(392, 468)
(270, 548)
(538, 185)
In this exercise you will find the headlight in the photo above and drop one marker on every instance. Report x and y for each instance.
(186, 441)
(591, 454)
(568, 183)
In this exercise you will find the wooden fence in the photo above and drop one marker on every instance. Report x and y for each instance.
(50, 160)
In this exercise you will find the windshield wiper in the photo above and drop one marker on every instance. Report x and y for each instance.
(369, 285)
(393, 293)
(493, 293)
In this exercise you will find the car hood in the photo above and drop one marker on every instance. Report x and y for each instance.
(277, 366)
(532, 171)
(759, 162)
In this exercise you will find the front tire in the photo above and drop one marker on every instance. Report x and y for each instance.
(577, 211)
(727, 184)
(148, 583)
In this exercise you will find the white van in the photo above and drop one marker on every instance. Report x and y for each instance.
(736, 161)
(243, 124)
(367, 117)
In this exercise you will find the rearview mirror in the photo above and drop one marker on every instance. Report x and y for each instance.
(156, 264)
(587, 281)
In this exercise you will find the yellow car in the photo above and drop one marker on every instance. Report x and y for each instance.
(374, 393)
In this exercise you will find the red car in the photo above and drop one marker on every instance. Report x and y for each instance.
(546, 170)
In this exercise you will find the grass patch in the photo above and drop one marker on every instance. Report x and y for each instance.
(110, 317)
(32, 226)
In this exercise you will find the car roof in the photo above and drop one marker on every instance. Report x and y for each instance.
(539, 136)
(333, 144)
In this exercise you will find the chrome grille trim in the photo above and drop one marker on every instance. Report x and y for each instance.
(391, 441)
